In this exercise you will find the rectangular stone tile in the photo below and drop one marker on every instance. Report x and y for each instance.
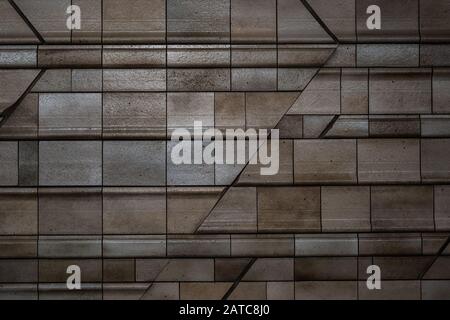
(69, 56)
(198, 21)
(315, 125)
(134, 115)
(398, 244)
(13, 28)
(9, 158)
(388, 160)
(134, 246)
(91, 31)
(134, 163)
(271, 269)
(434, 15)
(18, 271)
(344, 56)
(332, 161)
(70, 163)
(70, 115)
(162, 291)
(250, 24)
(435, 290)
(402, 268)
(439, 269)
(175, 270)
(294, 78)
(442, 207)
(345, 209)
(198, 56)
(326, 290)
(13, 84)
(249, 291)
(134, 56)
(403, 91)
(326, 245)
(203, 291)
(70, 247)
(118, 270)
(18, 246)
(59, 291)
(229, 110)
(229, 269)
(70, 211)
(291, 127)
(134, 211)
(18, 211)
(18, 56)
(211, 79)
(435, 126)
(266, 245)
(399, 21)
(304, 55)
(54, 80)
(198, 246)
(349, 127)
(55, 270)
(435, 156)
(394, 126)
(354, 91)
(252, 56)
(134, 80)
(387, 55)
(280, 290)
(432, 242)
(289, 209)
(391, 290)
(254, 79)
(402, 208)
(434, 55)
(325, 268)
(142, 22)
(23, 122)
(18, 291)
(87, 80)
(441, 95)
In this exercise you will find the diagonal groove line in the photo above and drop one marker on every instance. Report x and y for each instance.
(27, 21)
(329, 126)
(154, 280)
(238, 280)
(319, 20)
(10, 110)
(438, 254)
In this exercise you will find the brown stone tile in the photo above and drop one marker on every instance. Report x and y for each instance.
(433, 242)
(203, 290)
(135, 291)
(402, 208)
(198, 56)
(64, 56)
(441, 96)
(229, 269)
(18, 247)
(249, 291)
(9, 156)
(175, 270)
(435, 156)
(162, 291)
(391, 290)
(229, 110)
(442, 207)
(326, 245)
(280, 290)
(436, 290)
(440, 269)
(325, 268)
(289, 209)
(18, 271)
(402, 268)
(254, 79)
(262, 245)
(18, 211)
(291, 127)
(134, 246)
(22, 124)
(55, 270)
(354, 91)
(399, 244)
(434, 55)
(18, 291)
(198, 245)
(434, 15)
(70, 247)
(59, 291)
(253, 56)
(271, 269)
(326, 290)
(13, 84)
(394, 126)
(134, 80)
(436, 126)
(118, 270)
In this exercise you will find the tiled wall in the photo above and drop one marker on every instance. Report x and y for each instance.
(85, 170)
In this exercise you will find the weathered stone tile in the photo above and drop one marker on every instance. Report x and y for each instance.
(391, 290)
(118, 270)
(59, 291)
(296, 24)
(18, 246)
(435, 290)
(354, 91)
(91, 31)
(434, 15)
(203, 291)
(17, 271)
(69, 56)
(18, 291)
(211, 79)
(402, 268)
(70, 247)
(344, 57)
(54, 80)
(70, 115)
(235, 212)
(321, 96)
(134, 80)
(439, 269)
(291, 127)
(253, 24)
(55, 270)
(345, 209)
(18, 211)
(304, 55)
(442, 207)
(49, 17)
(432, 242)
(86, 80)
(134, 211)
(13, 84)
(388, 160)
(187, 207)
(137, 163)
(280, 290)
(9, 158)
(399, 21)
(315, 126)
(134, 115)
(402, 208)
(289, 209)
(227, 173)
(332, 161)
(13, 27)
(262, 245)
(254, 79)
(142, 22)
(249, 291)
(22, 123)
(253, 56)
(198, 56)
(394, 126)
(150, 269)
(134, 246)
(162, 291)
(229, 110)
(271, 269)
(325, 268)
(435, 126)
(198, 246)
(175, 270)
(137, 56)
(70, 163)
(229, 269)
(198, 21)
(434, 55)
(398, 244)
(435, 156)
(349, 127)
(326, 290)
(70, 211)
(399, 90)
(441, 95)
(17, 56)
(326, 245)
(387, 55)
(294, 78)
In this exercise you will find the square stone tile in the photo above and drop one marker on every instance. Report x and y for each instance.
(9, 158)
(134, 163)
(435, 155)
(18, 211)
(70, 163)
